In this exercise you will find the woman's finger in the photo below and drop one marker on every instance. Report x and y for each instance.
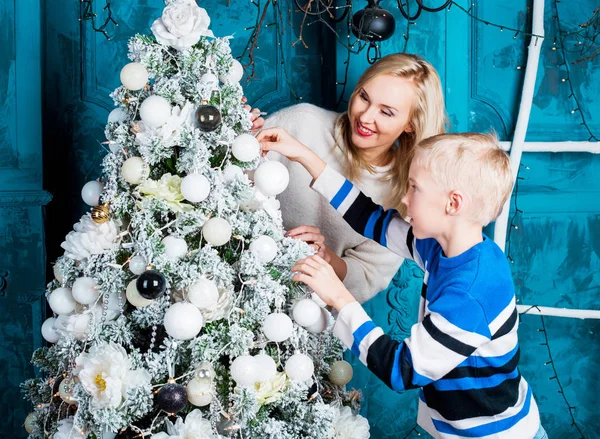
(303, 229)
(310, 237)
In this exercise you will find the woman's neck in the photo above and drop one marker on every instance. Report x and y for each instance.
(378, 158)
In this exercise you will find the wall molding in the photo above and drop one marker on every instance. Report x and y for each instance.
(24, 198)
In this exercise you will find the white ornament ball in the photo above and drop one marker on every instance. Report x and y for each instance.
(134, 76)
(278, 327)
(217, 231)
(195, 188)
(299, 367)
(204, 294)
(244, 370)
(271, 178)
(235, 74)
(321, 324)
(31, 423)
(57, 273)
(49, 332)
(210, 80)
(232, 172)
(61, 301)
(199, 394)
(133, 296)
(155, 111)
(85, 290)
(245, 148)
(265, 248)
(118, 115)
(318, 300)
(66, 389)
(306, 312)
(175, 247)
(81, 325)
(341, 373)
(134, 169)
(137, 265)
(265, 367)
(183, 321)
(91, 191)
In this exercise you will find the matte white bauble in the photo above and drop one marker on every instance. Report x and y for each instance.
(81, 324)
(183, 321)
(278, 327)
(235, 74)
(265, 367)
(118, 115)
(232, 172)
(195, 188)
(245, 148)
(299, 367)
(204, 294)
(91, 191)
(134, 76)
(49, 332)
(271, 178)
(134, 169)
(216, 231)
(85, 290)
(209, 80)
(61, 301)
(133, 296)
(318, 300)
(244, 370)
(155, 111)
(57, 273)
(198, 394)
(340, 373)
(306, 312)
(321, 324)
(265, 248)
(137, 265)
(175, 247)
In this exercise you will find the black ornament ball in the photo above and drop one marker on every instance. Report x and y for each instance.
(151, 284)
(373, 23)
(172, 397)
(208, 117)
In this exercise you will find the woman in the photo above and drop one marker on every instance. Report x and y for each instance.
(397, 102)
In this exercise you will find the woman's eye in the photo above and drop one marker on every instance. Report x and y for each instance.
(387, 113)
(363, 97)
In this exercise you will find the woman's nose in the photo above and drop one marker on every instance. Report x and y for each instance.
(368, 115)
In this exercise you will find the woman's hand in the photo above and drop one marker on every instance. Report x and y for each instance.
(320, 277)
(312, 235)
(257, 121)
(279, 140)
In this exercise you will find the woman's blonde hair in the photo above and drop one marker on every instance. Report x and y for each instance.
(427, 118)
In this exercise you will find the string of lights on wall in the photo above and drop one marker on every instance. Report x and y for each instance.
(87, 14)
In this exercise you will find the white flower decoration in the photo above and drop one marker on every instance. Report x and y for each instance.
(182, 24)
(169, 132)
(90, 238)
(66, 430)
(271, 205)
(271, 390)
(105, 374)
(168, 189)
(346, 425)
(194, 427)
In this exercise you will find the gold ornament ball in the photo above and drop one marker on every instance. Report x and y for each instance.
(101, 214)
(341, 373)
(31, 423)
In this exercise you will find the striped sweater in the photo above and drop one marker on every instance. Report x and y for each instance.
(463, 352)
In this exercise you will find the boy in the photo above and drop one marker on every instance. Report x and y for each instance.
(464, 351)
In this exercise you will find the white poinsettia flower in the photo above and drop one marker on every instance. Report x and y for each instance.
(271, 205)
(347, 425)
(66, 430)
(169, 132)
(104, 373)
(271, 390)
(168, 189)
(194, 427)
(90, 238)
(182, 24)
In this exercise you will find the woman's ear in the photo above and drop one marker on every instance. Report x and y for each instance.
(455, 203)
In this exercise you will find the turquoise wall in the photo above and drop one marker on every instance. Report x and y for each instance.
(55, 78)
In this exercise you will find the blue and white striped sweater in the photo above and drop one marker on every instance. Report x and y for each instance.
(464, 351)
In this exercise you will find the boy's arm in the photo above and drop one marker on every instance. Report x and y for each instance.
(366, 217)
(445, 338)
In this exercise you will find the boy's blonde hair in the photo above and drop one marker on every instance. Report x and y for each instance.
(472, 163)
(427, 118)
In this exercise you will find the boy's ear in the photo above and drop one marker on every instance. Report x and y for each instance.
(455, 202)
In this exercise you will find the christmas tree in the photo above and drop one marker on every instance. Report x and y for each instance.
(172, 301)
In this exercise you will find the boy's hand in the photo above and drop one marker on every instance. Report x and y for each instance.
(320, 277)
(279, 140)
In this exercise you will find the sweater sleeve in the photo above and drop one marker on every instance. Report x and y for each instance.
(454, 329)
(387, 228)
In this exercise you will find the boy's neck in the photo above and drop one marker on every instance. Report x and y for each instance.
(461, 239)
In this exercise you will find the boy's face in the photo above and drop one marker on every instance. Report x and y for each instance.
(426, 203)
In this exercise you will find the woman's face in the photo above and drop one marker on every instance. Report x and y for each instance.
(379, 114)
